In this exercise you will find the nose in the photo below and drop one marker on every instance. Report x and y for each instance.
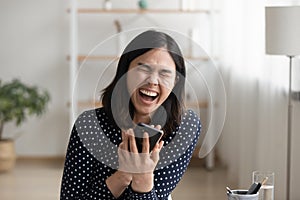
(153, 79)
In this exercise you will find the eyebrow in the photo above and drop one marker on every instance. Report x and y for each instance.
(144, 64)
(167, 71)
(149, 67)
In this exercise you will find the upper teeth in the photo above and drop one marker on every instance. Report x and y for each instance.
(148, 93)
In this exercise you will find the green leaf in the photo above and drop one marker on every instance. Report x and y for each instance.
(18, 101)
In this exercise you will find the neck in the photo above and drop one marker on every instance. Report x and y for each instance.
(141, 118)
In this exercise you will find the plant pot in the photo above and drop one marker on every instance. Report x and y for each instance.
(7, 155)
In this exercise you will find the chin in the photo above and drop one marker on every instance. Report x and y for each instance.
(145, 111)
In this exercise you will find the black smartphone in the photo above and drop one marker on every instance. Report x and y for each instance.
(154, 135)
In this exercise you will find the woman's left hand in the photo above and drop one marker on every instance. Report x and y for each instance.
(141, 165)
(134, 162)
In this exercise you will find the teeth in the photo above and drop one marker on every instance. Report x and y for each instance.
(149, 93)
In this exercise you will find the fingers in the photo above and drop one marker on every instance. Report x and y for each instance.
(155, 153)
(124, 144)
(131, 161)
(158, 146)
(132, 142)
(129, 143)
(161, 144)
(145, 143)
(158, 127)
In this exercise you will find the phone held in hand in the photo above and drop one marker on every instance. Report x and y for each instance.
(153, 133)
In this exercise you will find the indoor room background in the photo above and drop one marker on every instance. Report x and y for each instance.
(35, 46)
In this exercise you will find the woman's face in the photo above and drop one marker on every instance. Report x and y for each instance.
(150, 80)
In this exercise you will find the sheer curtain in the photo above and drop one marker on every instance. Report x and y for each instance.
(254, 134)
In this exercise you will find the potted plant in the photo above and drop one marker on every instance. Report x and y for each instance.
(17, 102)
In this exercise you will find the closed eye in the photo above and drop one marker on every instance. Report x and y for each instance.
(166, 73)
(144, 67)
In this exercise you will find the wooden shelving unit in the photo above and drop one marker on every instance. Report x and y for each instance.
(81, 58)
(139, 11)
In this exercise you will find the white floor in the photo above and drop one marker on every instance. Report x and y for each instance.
(36, 180)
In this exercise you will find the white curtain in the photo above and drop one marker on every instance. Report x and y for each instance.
(254, 135)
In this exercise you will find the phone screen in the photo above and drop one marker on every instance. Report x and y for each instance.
(154, 136)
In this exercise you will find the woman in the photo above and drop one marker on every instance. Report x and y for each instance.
(102, 160)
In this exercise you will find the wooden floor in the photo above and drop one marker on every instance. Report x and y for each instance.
(40, 179)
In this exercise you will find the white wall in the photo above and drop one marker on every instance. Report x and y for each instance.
(34, 45)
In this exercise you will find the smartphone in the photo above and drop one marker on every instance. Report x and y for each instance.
(154, 136)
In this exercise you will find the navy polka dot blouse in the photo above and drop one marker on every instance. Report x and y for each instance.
(92, 157)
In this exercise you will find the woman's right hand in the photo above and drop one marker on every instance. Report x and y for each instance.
(133, 162)
(140, 165)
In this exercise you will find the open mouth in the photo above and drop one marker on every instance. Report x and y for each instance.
(148, 95)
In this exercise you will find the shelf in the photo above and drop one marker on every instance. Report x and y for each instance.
(200, 104)
(140, 11)
(90, 103)
(87, 104)
(203, 58)
(82, 58)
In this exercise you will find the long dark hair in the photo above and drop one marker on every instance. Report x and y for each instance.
(116, 99)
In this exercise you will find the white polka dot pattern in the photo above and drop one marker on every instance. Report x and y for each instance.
(92, 157)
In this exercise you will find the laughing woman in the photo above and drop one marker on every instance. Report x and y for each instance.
(102, 160)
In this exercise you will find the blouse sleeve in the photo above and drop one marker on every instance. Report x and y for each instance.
(80, 176)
